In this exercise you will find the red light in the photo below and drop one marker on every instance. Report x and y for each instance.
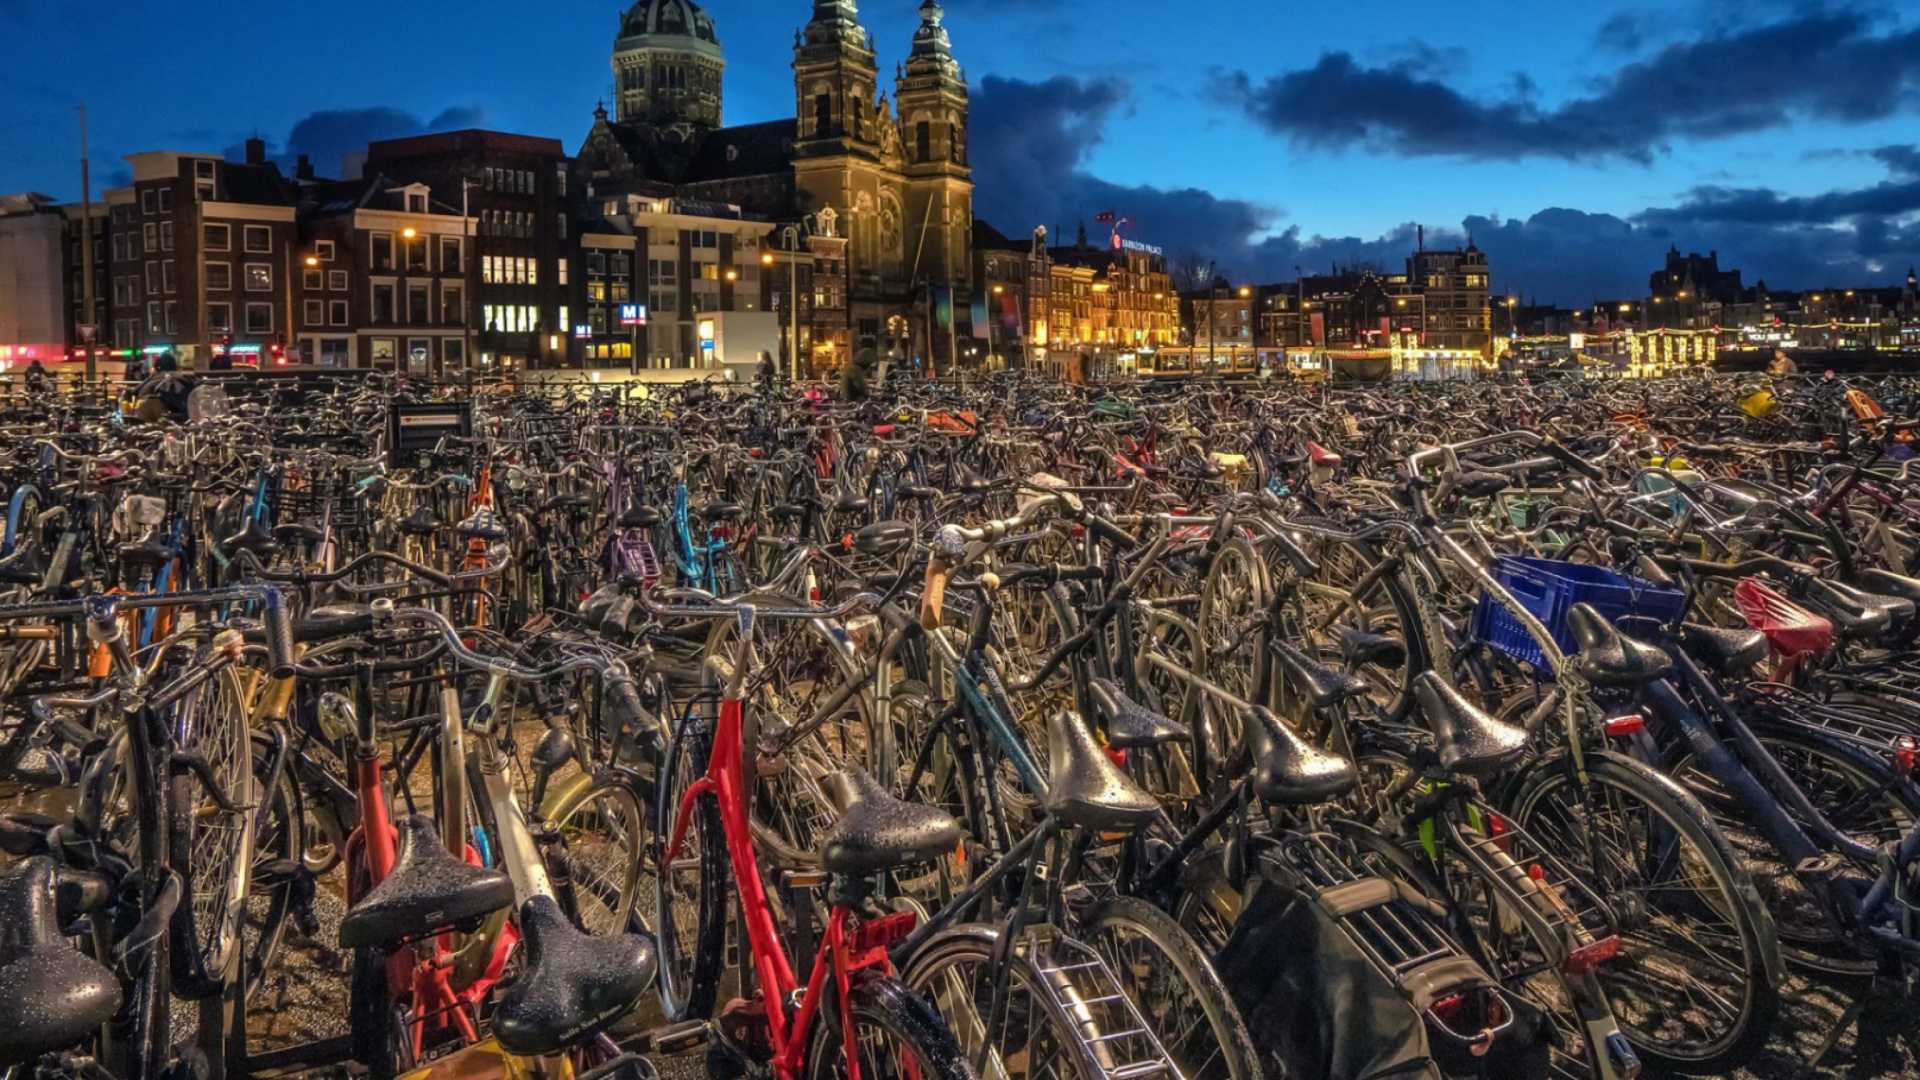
(1592, 956)
(1906, 756)
(1621, 727)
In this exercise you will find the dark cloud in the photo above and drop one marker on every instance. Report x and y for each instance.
(1836, 65)
(1624, 32)
(1032, 142)
(1902, 160)
(329, 136)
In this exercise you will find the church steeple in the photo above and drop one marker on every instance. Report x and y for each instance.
(836, 80)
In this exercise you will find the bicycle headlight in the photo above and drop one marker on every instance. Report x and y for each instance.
(336, 716)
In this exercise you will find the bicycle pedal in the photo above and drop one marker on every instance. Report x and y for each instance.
(679, 1038)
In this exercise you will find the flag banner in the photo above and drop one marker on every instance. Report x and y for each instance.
(1319, 324)
(981, 329)
(943, 307)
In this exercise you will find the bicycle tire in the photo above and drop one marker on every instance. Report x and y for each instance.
(1734, 898)
(605, 836)
(1136, 938)
(690, 898)
(379, 1037)
(277, 843)
(882, 1007)
(1806, 939)
(955, 971)
(211, 848)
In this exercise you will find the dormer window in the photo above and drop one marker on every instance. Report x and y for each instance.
(416, 203)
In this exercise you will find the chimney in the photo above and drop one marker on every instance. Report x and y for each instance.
(1423, 236)
(256, 151)
(303, 168)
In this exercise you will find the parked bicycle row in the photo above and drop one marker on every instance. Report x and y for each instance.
(1011, 730)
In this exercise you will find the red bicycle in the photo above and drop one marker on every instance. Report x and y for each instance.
(850, 997)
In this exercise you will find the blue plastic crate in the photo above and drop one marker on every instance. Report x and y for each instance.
(1549, 589)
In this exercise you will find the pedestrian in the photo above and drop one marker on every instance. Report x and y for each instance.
(38, 381)
(857, 380)
(767, 374)
(1783, 366)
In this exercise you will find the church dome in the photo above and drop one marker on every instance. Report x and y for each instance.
(669, 19)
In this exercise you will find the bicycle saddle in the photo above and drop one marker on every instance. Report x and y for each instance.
(720, 511)
(882, 537)
(51, 994)
(1480, 484)
(639, 517)
(298, 532)
(1856, 615)
(252, 537)
(1888, 583)
(877, 832)
(1361, 647)
(1321, 457)
(576, 983)
(918, 491)
(1469, 741)
(1609, 657)
(1726, 651)
(420, 521)
(1289, 770)
(851, 502)
(1085, 787)
(148, 552)
(1324, 686)
(482, 524)
(429, 891)
(967, 481)
(1131, 725)
(25, 566)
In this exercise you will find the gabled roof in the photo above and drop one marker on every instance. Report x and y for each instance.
(749, 150)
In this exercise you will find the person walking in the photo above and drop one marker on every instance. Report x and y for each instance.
(857, 381)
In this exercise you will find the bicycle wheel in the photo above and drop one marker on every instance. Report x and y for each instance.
(801, 664)
(1855, 792)
(381, 1032)
(211, 847)
(1692, 986)
(900, 1037)
(277, 845)
(1034, 1040)
(690, 896)
(605, 836)
(1174, 987)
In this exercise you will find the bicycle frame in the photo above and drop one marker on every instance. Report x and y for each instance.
(727, 783)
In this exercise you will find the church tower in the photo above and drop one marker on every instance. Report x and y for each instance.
(667, 66)
(845, 146)
(931, 93)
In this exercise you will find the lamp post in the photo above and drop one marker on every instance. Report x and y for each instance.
(467, 184)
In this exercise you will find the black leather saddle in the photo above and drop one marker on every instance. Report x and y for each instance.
(1325, 687)
(1131, 725)
(849, 501)
(429, 891)
(150, 553)
(1726, 651)
(1361, 647)
(1888, 583)
(1085, 787)
(967, 481)
(1287, 769)
(1469, 741)
(718, 510)
(254, 537)
(421, 521)
(299, 532)
(639, 517)
(876, 832)
(26, 566)
(1609, 657)
(576, 983)
(918, 491)
(1856, 615)
(882, 537)
(51, 994)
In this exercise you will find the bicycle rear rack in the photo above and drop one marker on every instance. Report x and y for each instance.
(1114, 1036)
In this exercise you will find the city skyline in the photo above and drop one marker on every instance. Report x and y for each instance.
(1779, 135)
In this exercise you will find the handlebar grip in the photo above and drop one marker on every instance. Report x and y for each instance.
(278, 622)
(1111, 533)
(624, 708)
(933, 597)
(326, 624)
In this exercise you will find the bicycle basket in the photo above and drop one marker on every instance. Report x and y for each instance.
(1549, 589)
